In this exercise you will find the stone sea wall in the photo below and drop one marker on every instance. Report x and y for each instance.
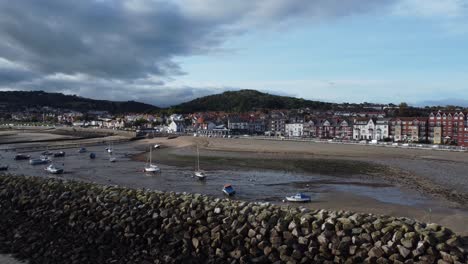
(54, 221)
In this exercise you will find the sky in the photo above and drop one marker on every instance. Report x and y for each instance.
(167, 52)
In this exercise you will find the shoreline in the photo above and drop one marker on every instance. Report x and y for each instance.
(218, 156)
(178, 157)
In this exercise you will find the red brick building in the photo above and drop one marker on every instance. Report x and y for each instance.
(448, 128)
(332, 128)
(409, 129)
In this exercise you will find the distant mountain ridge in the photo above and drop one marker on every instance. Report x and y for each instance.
(247, 100)
(444, 102)
(20, 99)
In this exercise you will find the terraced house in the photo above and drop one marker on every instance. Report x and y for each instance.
(364, 129)
(448, 128)
(409, 129)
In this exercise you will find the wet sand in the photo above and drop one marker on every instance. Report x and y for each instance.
(440, 174)
(10, 136)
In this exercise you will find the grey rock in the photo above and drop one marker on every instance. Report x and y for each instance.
(404, 252)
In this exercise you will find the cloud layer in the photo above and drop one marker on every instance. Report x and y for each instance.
(126, 50)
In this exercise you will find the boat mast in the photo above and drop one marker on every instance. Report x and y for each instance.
(151, 148)
(198, 158)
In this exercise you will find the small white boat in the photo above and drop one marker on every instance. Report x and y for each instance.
(150, 167)
(112, 159)
(53, 169)
(298, 197)
(199, 173)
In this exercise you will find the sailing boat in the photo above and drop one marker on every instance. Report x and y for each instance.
(150, 167)
(109, 149)
(198, 173)
(111, 158)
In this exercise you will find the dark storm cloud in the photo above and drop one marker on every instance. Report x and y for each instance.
(98, 38)
(117, 44)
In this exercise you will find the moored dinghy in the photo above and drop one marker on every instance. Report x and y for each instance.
(298, 197)
(59, 154)
(39, 161)
(22, 157)
(47, 152)
(228, 190)
(53, 169)
(82, 150)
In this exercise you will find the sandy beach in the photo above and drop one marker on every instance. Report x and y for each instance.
(438, 173)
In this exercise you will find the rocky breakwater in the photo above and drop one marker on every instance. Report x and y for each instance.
(53, 221)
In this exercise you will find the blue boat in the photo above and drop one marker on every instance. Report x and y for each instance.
(228, 190)
(82, 150)
(298, 197)
(92, 156)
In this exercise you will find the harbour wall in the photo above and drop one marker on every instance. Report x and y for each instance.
(57, 221)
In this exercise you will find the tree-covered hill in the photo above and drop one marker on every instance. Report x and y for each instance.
(17, 100)
(246, 100)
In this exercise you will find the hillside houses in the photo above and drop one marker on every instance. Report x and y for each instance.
(345, 124)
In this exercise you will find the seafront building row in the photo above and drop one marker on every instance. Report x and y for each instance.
(448, 128)
(437, 128)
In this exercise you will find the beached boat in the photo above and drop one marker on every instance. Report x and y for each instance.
(39, 161)
(3, 167)
(53, 169)
(150, 167)
(198, 173)
(298, 197)
(82, 150)
(47, 152)
(22, 157)
(109, 148)
(111, 158)
(228, 190)
(59, 154)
